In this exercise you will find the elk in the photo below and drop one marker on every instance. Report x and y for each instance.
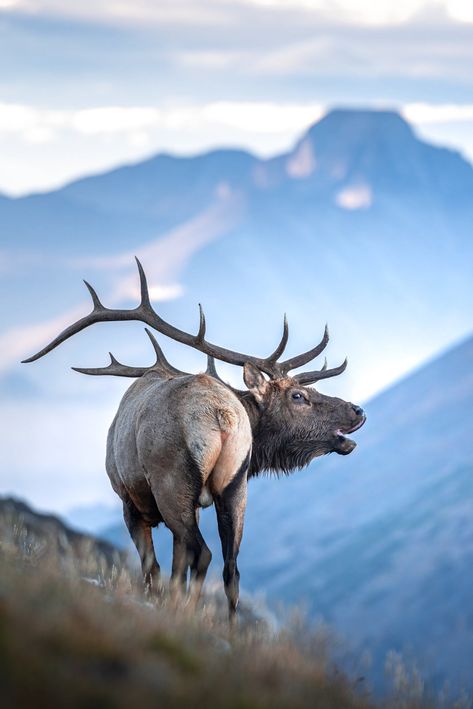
(183, 441)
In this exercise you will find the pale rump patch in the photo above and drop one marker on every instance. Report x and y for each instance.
(217, 434)
(235, 446)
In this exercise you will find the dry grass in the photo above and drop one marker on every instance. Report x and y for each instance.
(68, 642)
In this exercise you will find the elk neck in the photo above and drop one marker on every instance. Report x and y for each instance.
(266, 446)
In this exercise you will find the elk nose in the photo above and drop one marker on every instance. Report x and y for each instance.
(358, 410)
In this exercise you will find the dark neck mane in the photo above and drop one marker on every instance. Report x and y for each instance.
(272, 450)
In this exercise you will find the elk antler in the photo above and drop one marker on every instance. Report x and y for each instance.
(122, 370)
(324, 373)
(144, 312)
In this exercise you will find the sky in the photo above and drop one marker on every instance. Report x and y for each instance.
(86, 86)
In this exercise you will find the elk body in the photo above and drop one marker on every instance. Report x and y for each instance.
(181, 441)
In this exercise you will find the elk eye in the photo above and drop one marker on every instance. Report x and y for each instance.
(297, 396)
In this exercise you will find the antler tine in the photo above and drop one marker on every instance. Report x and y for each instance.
(212, 372)
(211, 368)
(305, 357)
(115, 368)
(95, 299)
(99, 313)
(118, 369)
(161, 360)
(202, 325)
(311, 377)
(145, 300)
(282, 344)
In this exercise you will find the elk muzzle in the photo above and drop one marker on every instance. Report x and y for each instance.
(345, 445)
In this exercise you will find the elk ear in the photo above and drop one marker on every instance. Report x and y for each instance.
(255, 381)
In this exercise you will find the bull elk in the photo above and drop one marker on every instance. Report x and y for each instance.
(181, 441)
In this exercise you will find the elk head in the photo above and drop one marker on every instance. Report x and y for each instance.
(292, 423)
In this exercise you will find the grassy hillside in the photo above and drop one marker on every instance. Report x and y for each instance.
(67, 642)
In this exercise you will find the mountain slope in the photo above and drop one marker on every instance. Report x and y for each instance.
(45, 539)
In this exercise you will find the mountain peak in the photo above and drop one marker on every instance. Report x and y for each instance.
(370, 150)
(361, 123)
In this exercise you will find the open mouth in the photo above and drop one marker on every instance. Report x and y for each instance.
(345, 431)
(346, 445)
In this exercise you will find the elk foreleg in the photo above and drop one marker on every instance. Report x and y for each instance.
(140, 532)
(230, 505)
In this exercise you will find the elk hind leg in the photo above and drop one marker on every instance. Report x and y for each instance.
(189, 547)
(200, 558)
(140, 532)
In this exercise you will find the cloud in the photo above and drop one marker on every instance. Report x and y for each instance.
(251, 116)
(359, 12)
(316, 37)
(33, 124)
(141, 12)
(114, 119)
(424, 113)
(460, 10)
(262, 116)
(36, 124)
(17, 341)
(199, 12)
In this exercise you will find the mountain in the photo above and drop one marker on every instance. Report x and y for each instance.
(378, 544)
(94, 518)
(44, 538)
(382, 150)
(361, 224)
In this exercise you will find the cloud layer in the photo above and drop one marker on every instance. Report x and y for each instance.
(383, 12)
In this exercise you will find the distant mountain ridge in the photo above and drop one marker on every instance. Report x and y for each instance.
(360, 211)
